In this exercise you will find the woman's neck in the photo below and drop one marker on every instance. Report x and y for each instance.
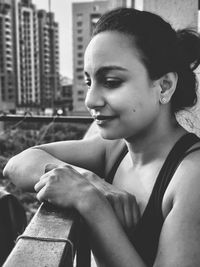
(146, 147)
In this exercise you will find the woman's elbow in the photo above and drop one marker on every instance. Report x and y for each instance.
(16, 170)
(8, 169)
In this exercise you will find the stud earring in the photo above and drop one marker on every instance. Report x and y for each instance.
(163, 100)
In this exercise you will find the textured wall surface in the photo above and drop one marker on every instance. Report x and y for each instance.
(181, 13)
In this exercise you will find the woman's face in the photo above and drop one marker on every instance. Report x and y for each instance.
(121, 97)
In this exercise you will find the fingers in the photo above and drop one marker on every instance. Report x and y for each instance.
(128, 216)
(40, 184)
(131, 214)
(125, 208)
(50, 166)
(59, 185)
(126, 211)
(43, 180)
(41, 196)
(117, 205)
(135, 212)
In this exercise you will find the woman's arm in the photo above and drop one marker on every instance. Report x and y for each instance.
(26, 168)
(65, 187)
(109, 241)
(179, 243)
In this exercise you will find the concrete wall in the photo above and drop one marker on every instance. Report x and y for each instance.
(181, 13)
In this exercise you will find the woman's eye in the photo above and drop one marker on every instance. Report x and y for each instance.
(112, 83)
(88, 83)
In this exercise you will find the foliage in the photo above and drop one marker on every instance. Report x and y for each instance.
(14, 140)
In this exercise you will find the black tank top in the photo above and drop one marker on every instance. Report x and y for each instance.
(145, 236)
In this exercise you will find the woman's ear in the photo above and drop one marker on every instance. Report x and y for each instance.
(168, 83)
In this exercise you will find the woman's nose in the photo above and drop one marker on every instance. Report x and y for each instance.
(94, 98)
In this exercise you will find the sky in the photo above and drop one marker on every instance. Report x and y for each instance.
(63, 15)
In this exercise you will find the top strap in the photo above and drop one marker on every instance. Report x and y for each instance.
(114, 155)
(174, 158)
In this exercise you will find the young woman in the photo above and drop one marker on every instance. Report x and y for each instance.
(146, 209)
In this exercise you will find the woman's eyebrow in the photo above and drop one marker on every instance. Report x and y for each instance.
(86, 74)
(106, 69)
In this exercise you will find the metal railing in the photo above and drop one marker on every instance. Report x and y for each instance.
(46, 119)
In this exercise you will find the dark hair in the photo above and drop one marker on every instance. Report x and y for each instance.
(162, 49)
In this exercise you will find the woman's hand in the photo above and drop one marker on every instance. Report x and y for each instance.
(123, 203)
(62, 186)
(65, 187)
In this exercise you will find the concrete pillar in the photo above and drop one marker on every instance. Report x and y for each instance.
(180, 13)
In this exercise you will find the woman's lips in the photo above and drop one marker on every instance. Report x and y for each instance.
(100, 119)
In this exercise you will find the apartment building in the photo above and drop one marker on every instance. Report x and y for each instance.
(85, 15)
(7, 55)
(28, 55)
(49, 58)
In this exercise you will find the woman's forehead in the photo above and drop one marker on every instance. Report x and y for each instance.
(111, 47)
(104, 40)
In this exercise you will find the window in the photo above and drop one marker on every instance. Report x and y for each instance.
(80, 39)
(79, 23)
(79, 31)
(80, 77)
(80, 62)
(81, 93)
(95, 7)
(79, 16)
(80, 47)
(81, 99)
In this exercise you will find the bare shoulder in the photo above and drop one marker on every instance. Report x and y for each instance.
(188, 173)
(186, 178)
(180, 235)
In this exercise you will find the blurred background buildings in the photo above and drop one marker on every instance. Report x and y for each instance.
(30, 76)
(29, 56)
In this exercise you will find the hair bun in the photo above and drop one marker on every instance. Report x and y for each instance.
(188, 42)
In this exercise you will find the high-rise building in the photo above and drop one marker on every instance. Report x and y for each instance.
(121, 3)
(28, 55)
(7, 55)
(64, 100)
(49, 58)
(85, 15)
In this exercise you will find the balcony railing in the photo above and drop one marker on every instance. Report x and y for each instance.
(29, 118)
(53, 237)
